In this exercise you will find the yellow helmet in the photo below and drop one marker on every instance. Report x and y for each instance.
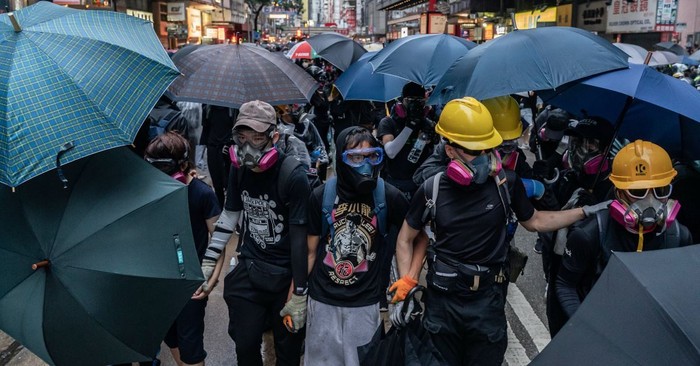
(642, 164)
(506, 116)
(467, 123)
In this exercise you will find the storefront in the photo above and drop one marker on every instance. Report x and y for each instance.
(641, 22)
(593, 17)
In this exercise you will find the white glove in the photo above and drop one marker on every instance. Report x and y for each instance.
(400, 319)
(588, 211)
(208, 266)
(294, 313)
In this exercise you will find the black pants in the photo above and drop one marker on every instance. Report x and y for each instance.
(468, 329)
(219, 166)
(251, 313)
(187, 332)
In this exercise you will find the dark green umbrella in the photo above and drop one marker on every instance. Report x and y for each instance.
(95, 274)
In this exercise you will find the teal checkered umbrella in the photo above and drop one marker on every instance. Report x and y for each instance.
(77, 78)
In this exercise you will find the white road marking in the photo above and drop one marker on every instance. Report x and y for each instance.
(532, 323)
(515, 353)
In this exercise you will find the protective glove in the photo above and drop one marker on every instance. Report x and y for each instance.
(413, 123)
(208, 266)
(588, 211)
(401, 287)
(294, 313)
(540, 169)
(398, 318)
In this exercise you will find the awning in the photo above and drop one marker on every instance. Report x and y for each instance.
(403, 4)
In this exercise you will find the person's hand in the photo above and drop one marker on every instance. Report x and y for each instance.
(588, 211)
(428, 126)
(540, 169)
(208, 266)
(294, 313)
(413, 123)
(398, 318)
(401, 287)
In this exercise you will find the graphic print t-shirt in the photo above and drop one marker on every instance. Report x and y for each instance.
(266, 216)
(348, 265)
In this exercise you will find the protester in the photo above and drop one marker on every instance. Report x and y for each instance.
(216, 135)
(269, 192)
(465, 300)
(408, 138)
(348, 221)
(642, 217)
(170, 153)
(299, 124)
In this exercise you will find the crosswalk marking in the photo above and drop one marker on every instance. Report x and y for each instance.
(515, 353)
(532, 323)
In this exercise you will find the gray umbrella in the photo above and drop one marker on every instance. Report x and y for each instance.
(672, 47)
(230, 75)
(337, 49)
(642, 311)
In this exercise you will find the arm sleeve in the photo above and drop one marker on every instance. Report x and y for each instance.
(393, 147)
(299, 254)
(298, 197)
(314, 213)
(435, 163)
(222, 233)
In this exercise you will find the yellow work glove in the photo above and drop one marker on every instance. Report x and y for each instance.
(401, 287)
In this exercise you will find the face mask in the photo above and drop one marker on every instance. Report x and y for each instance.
(253, 158)
(647, 214)
(477, 171)
(180, 177)
(365, 169)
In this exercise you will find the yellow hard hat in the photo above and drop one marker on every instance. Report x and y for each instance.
(642, 164)
(467, 123)
(506, 116)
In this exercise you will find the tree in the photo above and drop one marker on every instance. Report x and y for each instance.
(256, 6)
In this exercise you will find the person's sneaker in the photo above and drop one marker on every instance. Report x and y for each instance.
(538, 247)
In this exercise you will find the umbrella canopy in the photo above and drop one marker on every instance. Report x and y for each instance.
(72, 76)
(632, 97)
(672, 47)
(240, 74)
(695, 56)
(421, 58)
(121, 261)
(686, 60)
(337, 49)
(530, 59)
(359, 83)
(642, 311)
(301, 50)
(661, 58)
(637, 54)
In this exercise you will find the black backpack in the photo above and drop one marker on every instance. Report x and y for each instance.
(164, 118)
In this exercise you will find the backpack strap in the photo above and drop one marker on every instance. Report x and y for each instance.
(672, 236)
(329, 199)
(432, 185)
(379, 195)
(289, 164)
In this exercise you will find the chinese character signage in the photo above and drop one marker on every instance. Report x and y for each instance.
(631, 17)
(593, 16)
(176, 12)
(666, 14)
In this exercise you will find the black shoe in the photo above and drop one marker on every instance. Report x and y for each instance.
(538, 247)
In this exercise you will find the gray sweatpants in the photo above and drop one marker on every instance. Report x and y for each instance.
(333, 333)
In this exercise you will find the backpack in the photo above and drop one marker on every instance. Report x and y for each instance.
(166, 118)
(330, 198)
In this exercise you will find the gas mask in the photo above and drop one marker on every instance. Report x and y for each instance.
(508, 151)
(251, 157)
(411, 107)
(584, 155)
(651, 209)
(477, 171)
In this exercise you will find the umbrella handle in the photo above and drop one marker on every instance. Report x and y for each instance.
(37, 265)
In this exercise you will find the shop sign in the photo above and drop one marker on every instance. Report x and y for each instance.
(564, 15)
(638, 16)
(592, 16)
(140, 14)
(194, 23)
(176, 12)
(666, 15)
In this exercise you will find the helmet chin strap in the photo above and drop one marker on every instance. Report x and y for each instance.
(640, 241)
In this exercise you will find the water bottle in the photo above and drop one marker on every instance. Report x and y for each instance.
(233, 264)
(418, 147)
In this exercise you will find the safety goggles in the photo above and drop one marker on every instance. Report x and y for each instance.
(256, 140)
(357, 157)
(508, 146)
(659, 192)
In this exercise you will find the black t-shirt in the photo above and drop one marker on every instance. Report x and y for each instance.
(203, 206)
(217, 124)
(347, 271)
(266, 216)
(470, 224)
(583, 254)
(400, 167)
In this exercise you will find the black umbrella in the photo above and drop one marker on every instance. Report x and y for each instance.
(642, 311)
(337, 49)
(95, 274)
(410, 345)
(672, 47)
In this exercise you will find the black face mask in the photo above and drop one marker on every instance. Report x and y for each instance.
(351, 184)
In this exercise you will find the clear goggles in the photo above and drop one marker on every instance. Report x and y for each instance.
(357, 157)
(256, 140)
(659, 192)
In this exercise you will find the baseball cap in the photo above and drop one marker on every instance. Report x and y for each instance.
(592, 127)
(258, 115)
(557, 121)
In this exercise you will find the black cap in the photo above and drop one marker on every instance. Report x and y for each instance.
(592, 127)
(413, 90)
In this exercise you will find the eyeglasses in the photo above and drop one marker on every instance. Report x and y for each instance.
(357, 157)
(659, 192)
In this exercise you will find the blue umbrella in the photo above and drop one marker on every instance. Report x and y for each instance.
(530, 59)
(686, 60)
(643, 104)
(359, 83)
(85, 79)
(421, 58)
